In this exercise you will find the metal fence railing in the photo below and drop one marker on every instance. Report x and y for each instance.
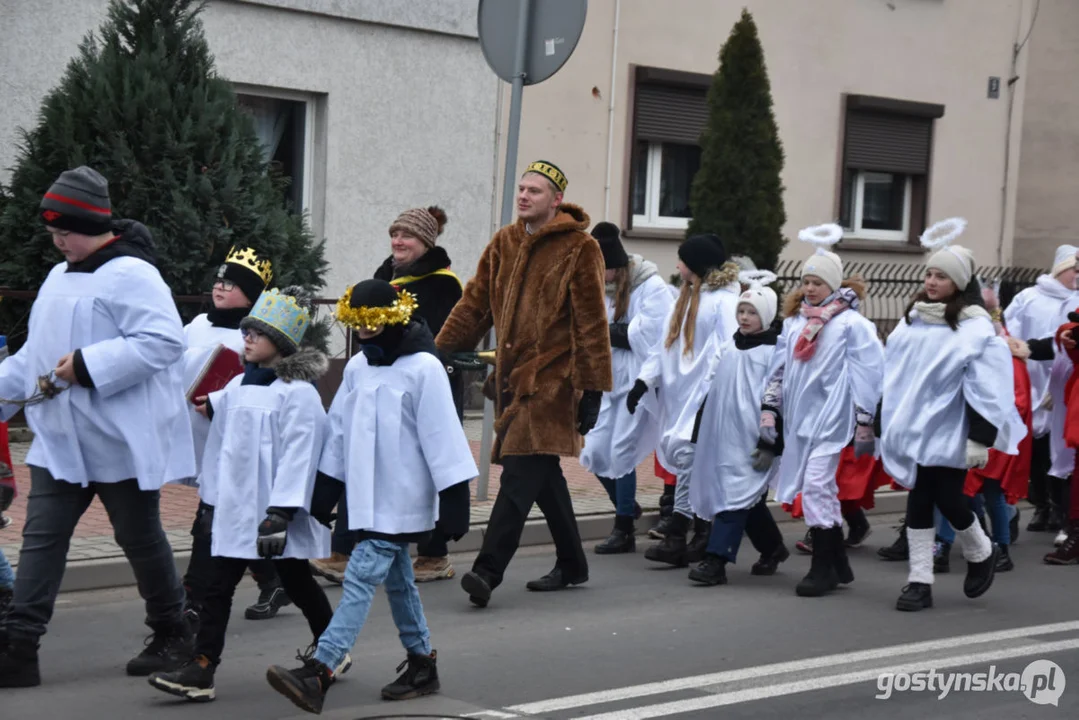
(892, 285)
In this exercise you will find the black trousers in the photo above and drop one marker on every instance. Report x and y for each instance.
(436, 545)
(1040, 462)
(942, 487)
(297, 580)
(200, 569)
(528, 480)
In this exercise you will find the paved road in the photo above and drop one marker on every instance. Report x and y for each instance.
(636, 642)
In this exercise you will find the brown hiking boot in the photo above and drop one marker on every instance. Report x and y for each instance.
(429, 569)
(331, 568)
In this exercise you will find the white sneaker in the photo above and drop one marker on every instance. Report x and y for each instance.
(346, 663)
(1061, 538)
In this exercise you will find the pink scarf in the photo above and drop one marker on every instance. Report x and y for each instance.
(816, 318)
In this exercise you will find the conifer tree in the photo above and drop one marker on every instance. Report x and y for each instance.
(142, 104)
(737, 192)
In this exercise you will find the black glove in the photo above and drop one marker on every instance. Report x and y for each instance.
(588, 410)
(635, 395)
(273, 534)
(204, 521)
(7, 495)
(620, 335)
(454, 511)
(327, 494)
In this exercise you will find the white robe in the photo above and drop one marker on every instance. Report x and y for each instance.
(1037, 313)
(722, 477)
(820, 396)
(263, 452)
(201, 337)
(680, 377)
(931, 373)
(395, 441)
(132, 423)
(620, 441)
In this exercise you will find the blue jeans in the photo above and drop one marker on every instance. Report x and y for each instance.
(756, 522)
(978, 506)
(1000, 515)
(623, 493)
(7, 575)
(374, 563)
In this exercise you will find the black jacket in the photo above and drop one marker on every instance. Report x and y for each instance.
(436, 294)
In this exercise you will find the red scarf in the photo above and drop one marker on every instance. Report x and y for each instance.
(816, 318)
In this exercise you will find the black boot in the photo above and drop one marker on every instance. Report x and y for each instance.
(942, 558)
(712, 570)
(859, 528)
(1039, 522)
(271, 599)
(898, 551)
(7, 599)
(621, 540)
(821, 578)
(478, 588)
(666, 501)
(306, 686)
(672, 549)
(843, 572)
(194, 680)
(1057, 516)
(768, 564)
(980, 574)
(167, 649)
(18, 663)
(557, 579)
(696, 548)
(1004, 562)
(916, 596)
(420, 678)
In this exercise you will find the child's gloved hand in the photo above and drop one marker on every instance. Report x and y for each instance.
(762, 459)
(273, 535)
(635, 394)
(204, 521)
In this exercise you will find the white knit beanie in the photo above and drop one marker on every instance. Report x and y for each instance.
(762, 298)
(955, 261)
(823, 263)
(1065, 259)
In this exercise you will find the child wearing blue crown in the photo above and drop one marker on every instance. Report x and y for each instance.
(395, 441)
(258, 473)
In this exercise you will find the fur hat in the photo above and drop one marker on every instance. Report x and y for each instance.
(283, 316)
(1065, 259)
(702, 254)
(823, 263)
(609, 238)
(423, 224)
(760, 296)
(955, 261)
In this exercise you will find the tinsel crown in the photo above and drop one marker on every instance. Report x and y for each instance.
(371, 318)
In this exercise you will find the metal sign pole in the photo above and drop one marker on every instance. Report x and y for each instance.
(509, 192)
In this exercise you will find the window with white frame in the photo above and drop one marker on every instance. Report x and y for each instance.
(284, 123)
(669, 114)
(661, 183)
(887, 152)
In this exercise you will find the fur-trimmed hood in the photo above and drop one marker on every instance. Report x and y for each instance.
(306, 364)
(723, 276)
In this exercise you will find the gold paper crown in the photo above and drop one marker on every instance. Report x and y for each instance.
(248, 258)
(551, 172)
(369, 318)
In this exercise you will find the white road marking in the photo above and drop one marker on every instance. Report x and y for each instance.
(820, 683)
(688, 683)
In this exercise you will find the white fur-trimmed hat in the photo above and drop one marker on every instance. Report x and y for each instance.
(759, 295)
(824, 263)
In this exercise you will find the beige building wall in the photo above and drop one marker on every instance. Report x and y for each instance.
(930, 51)
(1047, 213)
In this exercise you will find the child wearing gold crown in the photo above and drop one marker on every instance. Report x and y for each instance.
(266, 432)
(395, 442)
(238, 284)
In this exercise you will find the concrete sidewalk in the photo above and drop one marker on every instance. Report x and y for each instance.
(96, 561)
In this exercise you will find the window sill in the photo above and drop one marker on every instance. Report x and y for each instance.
(654, 233)
(881, 246)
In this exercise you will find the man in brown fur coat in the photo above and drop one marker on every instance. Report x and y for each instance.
(539, 283)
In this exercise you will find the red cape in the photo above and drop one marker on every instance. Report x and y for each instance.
(1013, 471)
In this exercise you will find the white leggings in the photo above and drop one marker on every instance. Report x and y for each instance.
(820, 492)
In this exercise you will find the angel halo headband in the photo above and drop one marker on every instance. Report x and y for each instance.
(370, 318)
(944, 233)
(822, 236)
(757, 278)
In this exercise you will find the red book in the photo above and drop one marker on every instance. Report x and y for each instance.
(222, 365)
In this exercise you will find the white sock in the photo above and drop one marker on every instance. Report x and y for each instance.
(920, 543)
(974, 542)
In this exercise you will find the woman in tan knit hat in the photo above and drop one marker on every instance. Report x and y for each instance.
(420, 264)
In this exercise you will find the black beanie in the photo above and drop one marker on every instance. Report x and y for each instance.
(78, 201)
(378, 293)
(608, 236)
(702, 254)
(249, 281)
